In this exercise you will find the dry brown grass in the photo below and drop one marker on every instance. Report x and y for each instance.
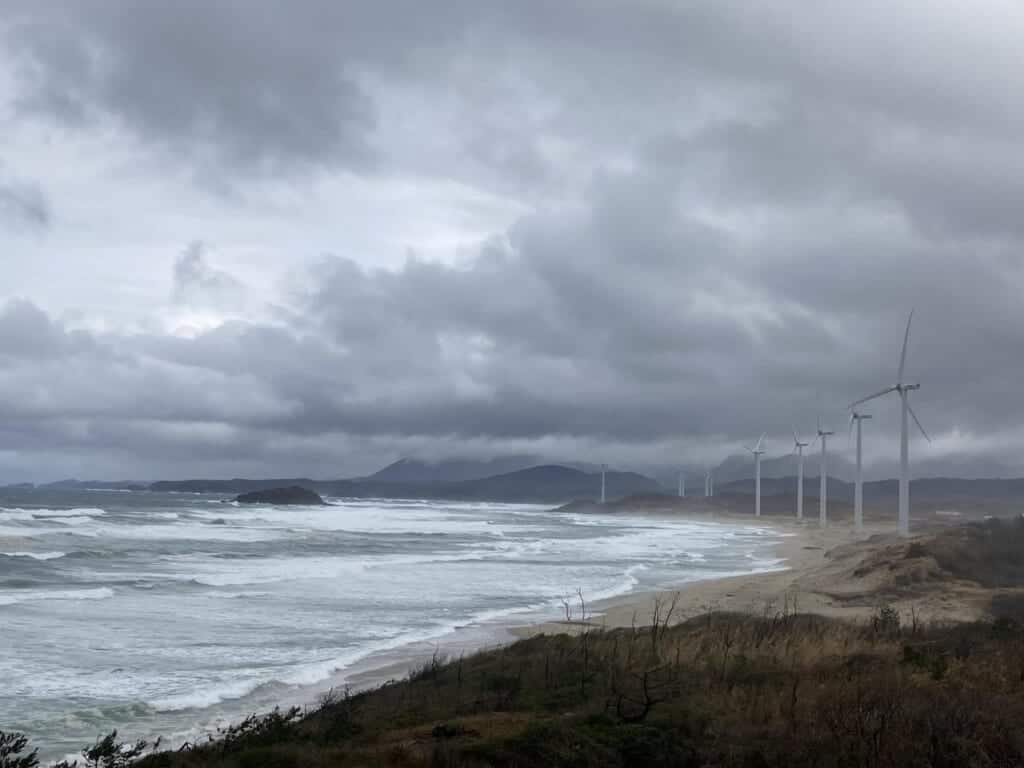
(780, 689)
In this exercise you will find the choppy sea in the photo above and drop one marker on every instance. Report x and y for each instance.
(168, 614)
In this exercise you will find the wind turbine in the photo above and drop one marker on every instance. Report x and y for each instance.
(903, 390)
(823, 435)
(756, 450)
(604, 470)
(798, 448)
(682, 485)
(858, 488)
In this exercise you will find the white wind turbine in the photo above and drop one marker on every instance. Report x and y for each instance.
(756, 450)
(823, 435)
(798, 449)
(858, 487)
(682, 484)
(604, 471)
(903, 390)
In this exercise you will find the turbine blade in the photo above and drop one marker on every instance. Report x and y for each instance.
(903, 354)
(853, 418)
(916, 421)
(796, 438)
(759, 441)
(885, 391)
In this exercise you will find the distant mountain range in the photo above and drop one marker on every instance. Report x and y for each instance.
(519, 479)
(541, 484)
(418, 472)
(414, 471)
(742, 467)
(927, 489)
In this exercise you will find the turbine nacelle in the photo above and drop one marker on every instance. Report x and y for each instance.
(757, 450)
(797, 445)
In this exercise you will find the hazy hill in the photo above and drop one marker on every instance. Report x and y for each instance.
(552, 483)
(742, 467)
(420, 472)
(542, 484)
(233, 486)
(931, 489)
(84, 485)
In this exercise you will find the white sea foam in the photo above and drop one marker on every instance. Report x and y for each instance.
(62, 513)
(207, 697)
(11, 597)
(36, 555)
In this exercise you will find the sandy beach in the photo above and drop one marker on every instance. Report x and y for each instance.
(815, 578)
(835, 572)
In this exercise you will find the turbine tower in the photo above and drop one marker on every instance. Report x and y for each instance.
(756, 450)
(798, 449)
(903, 390)
(823, 435)
(604, 470)
(858, 488)
(682, 485)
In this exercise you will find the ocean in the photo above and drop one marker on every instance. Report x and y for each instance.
(170, 614)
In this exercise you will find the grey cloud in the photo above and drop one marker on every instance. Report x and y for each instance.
(197, 284)
(28, 334)
(255, 88)
(727, 212)
(23, 204)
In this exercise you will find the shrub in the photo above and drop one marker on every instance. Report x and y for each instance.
(12, 751)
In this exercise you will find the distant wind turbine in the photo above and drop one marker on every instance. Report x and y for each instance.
(756, 450)
(903, 390)
(682, 485)
(604, 470)
(823, 435)
(858, 487)
(798, 449)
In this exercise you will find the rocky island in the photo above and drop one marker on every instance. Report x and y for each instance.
(292, 494)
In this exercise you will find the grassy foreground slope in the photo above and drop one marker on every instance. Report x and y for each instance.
(723, 690)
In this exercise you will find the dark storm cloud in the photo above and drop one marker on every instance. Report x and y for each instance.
(253, 86)
(727, 212)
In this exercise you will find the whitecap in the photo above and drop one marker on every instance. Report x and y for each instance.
(36, 555)
(26, 595)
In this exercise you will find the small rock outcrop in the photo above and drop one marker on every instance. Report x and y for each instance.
(293, 494)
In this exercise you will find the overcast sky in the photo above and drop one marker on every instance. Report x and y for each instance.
(257, 237)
